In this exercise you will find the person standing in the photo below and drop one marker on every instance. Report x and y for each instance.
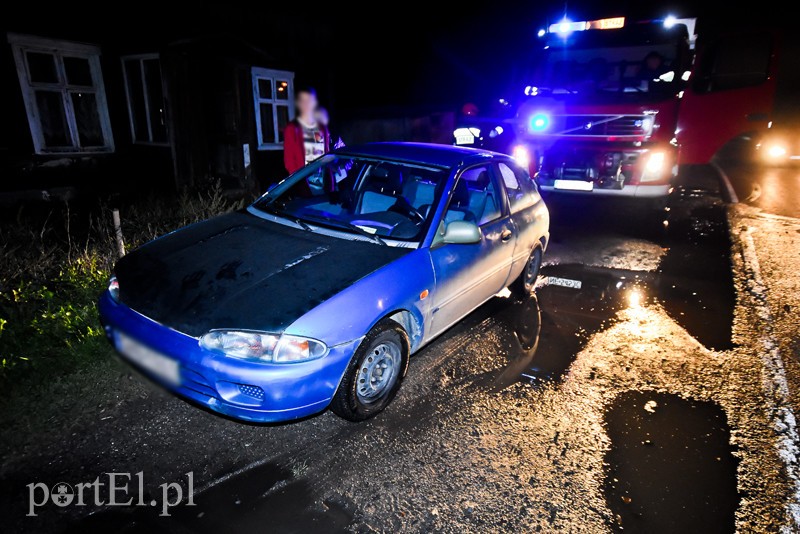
(304, 139)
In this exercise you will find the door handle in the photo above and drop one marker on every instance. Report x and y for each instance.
(505, 235)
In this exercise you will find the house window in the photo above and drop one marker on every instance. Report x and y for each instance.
(62, 87)
(145, 93)
(273, 95)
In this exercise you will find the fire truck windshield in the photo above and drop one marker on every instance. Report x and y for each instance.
(611, 63)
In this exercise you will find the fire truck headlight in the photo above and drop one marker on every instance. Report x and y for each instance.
(522, 156)
(539, 122)
(655, 162)
(654, 166)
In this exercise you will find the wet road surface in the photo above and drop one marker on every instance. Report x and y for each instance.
(486, 432)
(670, 465)
(775, 190)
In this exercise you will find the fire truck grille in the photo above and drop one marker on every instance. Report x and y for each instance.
(602, 125)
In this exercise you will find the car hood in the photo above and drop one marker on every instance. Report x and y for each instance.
(239, 271)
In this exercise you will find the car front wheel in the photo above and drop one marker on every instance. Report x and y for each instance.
(374, 374)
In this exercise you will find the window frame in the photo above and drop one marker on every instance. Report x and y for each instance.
(499, 187)
(140, 59)
(260, 73)
(527, 186)
(21, 45)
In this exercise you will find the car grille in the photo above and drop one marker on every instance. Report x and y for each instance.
(251, 391)
(602, 125)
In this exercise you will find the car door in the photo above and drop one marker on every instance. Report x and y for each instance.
(469, 275)
(525, 207)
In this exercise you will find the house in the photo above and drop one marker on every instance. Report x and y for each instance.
(152, 101)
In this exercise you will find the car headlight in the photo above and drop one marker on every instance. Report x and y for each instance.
(298, 349)
(263, 347)
(113, 289)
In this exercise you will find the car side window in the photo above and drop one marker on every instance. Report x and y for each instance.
(519, 187)
(474, 197)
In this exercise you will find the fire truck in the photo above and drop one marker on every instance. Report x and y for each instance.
(615, 108)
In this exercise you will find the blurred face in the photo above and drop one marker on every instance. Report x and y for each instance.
(306, 104)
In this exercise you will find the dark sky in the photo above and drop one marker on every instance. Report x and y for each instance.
(392, 54)
(472, 53)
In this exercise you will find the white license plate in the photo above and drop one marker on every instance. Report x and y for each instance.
(150, 360)
(563, 282)
(465, 139)
(573, 185)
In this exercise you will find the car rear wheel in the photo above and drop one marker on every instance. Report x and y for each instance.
(524, 285)
(374, 374)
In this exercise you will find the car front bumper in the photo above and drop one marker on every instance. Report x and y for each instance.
(249, 391)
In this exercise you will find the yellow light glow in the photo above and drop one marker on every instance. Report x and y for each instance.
(634, 299)
(522, 156)
(776, 151)
(606, 24)
(655, 162)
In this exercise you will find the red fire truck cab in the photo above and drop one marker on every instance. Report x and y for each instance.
(612, 108)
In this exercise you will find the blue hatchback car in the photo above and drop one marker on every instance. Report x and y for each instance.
(318, 293)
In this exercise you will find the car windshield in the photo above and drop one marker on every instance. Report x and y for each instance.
(375, 198)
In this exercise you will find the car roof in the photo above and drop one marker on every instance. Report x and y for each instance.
(432, 154)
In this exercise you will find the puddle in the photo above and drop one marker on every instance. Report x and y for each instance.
(520, 332)
(265, 498)
(693, 281)
(695, 284)
(670, 467)
(541, 335)
(570, 316)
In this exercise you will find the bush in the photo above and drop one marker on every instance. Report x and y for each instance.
(52, 274)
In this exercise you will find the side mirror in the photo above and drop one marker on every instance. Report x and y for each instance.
(461, 233)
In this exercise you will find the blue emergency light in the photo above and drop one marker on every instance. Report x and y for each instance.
(539, 122)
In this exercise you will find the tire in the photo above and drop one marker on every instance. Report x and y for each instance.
(365, 389)
(525, 284)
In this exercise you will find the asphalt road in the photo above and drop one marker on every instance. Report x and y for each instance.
(775, 190)
(606, 402)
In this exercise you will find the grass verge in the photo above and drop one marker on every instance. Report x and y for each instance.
(54, 266)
